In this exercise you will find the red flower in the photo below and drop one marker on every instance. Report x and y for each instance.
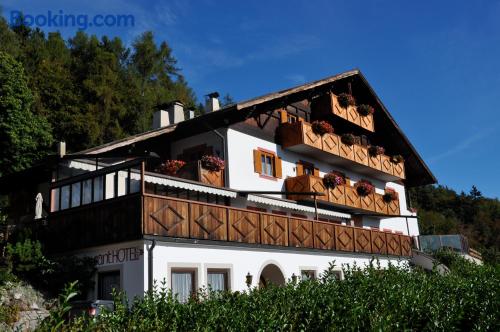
(364, 188)
(346, 99)
(321, 128)
(390, 195)
(212, 163)
(375, 150)
(333, 179)
(365, 110)
(170, 167)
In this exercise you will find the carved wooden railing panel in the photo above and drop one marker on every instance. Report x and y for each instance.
(166, 217)
(173, 217)
(328, 103)
(361, 154)
(300, 233)
(324, 235)
(208, 222)
(213, 178)
(393, 244)
(341, 195)
(344, 238)
(244, 226)
(193, 171)
(300, 133)
(379, 242)
(274, 230)
(362, 240)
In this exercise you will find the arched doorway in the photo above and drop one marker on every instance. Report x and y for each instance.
(271, 274)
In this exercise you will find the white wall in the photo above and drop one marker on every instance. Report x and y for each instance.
(130, 264)
(243, 177)
(240, 261)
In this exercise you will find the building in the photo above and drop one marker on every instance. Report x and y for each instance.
(269, 215)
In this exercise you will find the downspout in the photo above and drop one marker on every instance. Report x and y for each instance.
(150, 265)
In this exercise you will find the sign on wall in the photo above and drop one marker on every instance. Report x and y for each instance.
(119, 256)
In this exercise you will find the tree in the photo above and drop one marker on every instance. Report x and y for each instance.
(24, 136)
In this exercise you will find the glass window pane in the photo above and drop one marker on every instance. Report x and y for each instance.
(122, 183)
(98, 187)
(263, 164)
(87, 192)
(182, 285)
(269, 164)
(55, 200)
(75, 194)
(110, 185)
(64, 197)
(216, 281)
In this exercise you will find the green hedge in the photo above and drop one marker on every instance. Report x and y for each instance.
(395, 299)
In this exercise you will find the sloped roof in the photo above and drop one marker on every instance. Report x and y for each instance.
(228, 113)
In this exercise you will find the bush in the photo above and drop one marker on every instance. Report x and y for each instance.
(370, 299)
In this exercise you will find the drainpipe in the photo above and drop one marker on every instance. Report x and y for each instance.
(150, 265)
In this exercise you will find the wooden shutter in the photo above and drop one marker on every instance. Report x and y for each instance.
(277, 167)
(257, 165)
(300, 169)
(283, 116)
(316, 171)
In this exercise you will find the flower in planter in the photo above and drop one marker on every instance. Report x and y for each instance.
(365, 110)
(348, 139)
(333, 179)
(345, 100)
(170, 167)
(390, 195)
(321, 128)
(212, 163)
(375, 150)
(397, 159)
(364, 188)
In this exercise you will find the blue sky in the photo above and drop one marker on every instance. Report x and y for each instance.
(435, 64)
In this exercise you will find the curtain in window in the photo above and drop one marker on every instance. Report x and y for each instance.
(64, 197)
(182, 285)
(216, 281)
(87, 191)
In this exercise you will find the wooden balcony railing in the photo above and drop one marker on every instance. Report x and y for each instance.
(344, 195)
(194, 171)
(299, 137)
(328, 103)
(171, 217)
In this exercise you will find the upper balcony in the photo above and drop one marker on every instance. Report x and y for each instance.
(342, 195)
(299, 137)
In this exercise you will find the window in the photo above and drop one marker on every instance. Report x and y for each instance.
(308, 274)
(305, 168)
(286, 117)
(183, 284)
(267, 163)
(291, 118)
(217, 280)
(107, 282)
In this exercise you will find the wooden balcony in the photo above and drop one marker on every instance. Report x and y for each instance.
(178, 218)
(299, 137)
(344, 196)
(328, 103)
(194, 171)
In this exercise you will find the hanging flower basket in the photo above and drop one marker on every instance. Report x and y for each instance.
(397, 159)
(364, 188)
(365, 110)
(321, 128)
(348, 139)
(346, 100)
(212, 163)
(170, 167)
(375, 150)
(333, 179)
(390, 195)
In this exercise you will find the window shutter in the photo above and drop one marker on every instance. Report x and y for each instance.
(277, 167)
(300, 169)
(316, 171)
(257, 166)
(283, 116)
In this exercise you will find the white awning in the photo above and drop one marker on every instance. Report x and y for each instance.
(189, 186)
(295, 206)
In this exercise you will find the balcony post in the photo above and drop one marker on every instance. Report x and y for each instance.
(143, 170)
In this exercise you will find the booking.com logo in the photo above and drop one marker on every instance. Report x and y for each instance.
(60, 19)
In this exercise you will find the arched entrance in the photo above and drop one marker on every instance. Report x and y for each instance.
(271, 274)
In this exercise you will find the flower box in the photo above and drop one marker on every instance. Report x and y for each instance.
(361, 154)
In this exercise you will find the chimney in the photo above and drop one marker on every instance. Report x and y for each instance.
(61, 149)
(174, 113)
(212, 103)
(191, 113)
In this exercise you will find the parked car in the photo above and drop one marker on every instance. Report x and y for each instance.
(92, 308)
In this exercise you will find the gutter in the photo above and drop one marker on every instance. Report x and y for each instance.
(150, 265)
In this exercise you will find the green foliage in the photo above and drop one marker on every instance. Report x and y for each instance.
(93, 90)
(442, 211)
(371, 299)
(24, 136)
(59, 314)
(25, 257)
